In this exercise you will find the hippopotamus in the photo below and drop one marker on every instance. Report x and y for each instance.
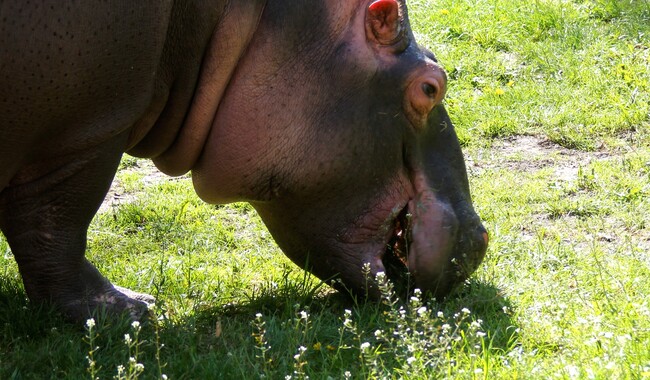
(326, 116)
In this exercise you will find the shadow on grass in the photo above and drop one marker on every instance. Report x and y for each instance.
(221, 338)
(485, 301)
(489, 304)
(18, 317)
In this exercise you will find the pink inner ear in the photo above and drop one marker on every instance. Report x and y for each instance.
(384, 20)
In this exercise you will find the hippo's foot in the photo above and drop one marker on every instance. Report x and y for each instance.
(111, 301)
(87, 294)
(116, 301)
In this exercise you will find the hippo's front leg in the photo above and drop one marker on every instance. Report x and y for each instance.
(45, 214)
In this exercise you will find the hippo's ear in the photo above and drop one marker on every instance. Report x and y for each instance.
(383, 22)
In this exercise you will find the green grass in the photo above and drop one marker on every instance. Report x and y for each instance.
(573, 71)
(551, 100)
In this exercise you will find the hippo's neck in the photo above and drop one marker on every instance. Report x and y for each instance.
(205, 44)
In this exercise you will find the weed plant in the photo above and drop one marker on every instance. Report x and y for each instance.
(407, 339)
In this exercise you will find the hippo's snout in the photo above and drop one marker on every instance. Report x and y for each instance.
(433, 236)
(478, 240)
(434, 247)
(443, 251)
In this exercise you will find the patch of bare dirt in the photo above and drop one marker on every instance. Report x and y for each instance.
(531, 153)
(118, 195)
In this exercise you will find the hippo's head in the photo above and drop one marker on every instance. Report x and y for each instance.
(333, 128)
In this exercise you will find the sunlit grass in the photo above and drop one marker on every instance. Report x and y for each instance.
(575, 71)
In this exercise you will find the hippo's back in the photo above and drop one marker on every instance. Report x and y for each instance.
(73, 74)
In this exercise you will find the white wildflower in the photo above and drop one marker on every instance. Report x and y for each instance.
(90, 323)
(623, 338)
(607, 334)
(574, 372)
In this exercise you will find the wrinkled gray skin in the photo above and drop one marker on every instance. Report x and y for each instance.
(324, 115)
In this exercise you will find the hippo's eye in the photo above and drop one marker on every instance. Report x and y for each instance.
(429, 90)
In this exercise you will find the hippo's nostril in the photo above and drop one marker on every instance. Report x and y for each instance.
(433, 87)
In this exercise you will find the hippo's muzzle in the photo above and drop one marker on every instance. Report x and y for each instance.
(430, 249)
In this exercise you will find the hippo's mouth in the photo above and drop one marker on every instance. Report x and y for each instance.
(396, 255)
(420, 247)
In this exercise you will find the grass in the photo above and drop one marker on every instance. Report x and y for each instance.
(574, 71)
(551, 102)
